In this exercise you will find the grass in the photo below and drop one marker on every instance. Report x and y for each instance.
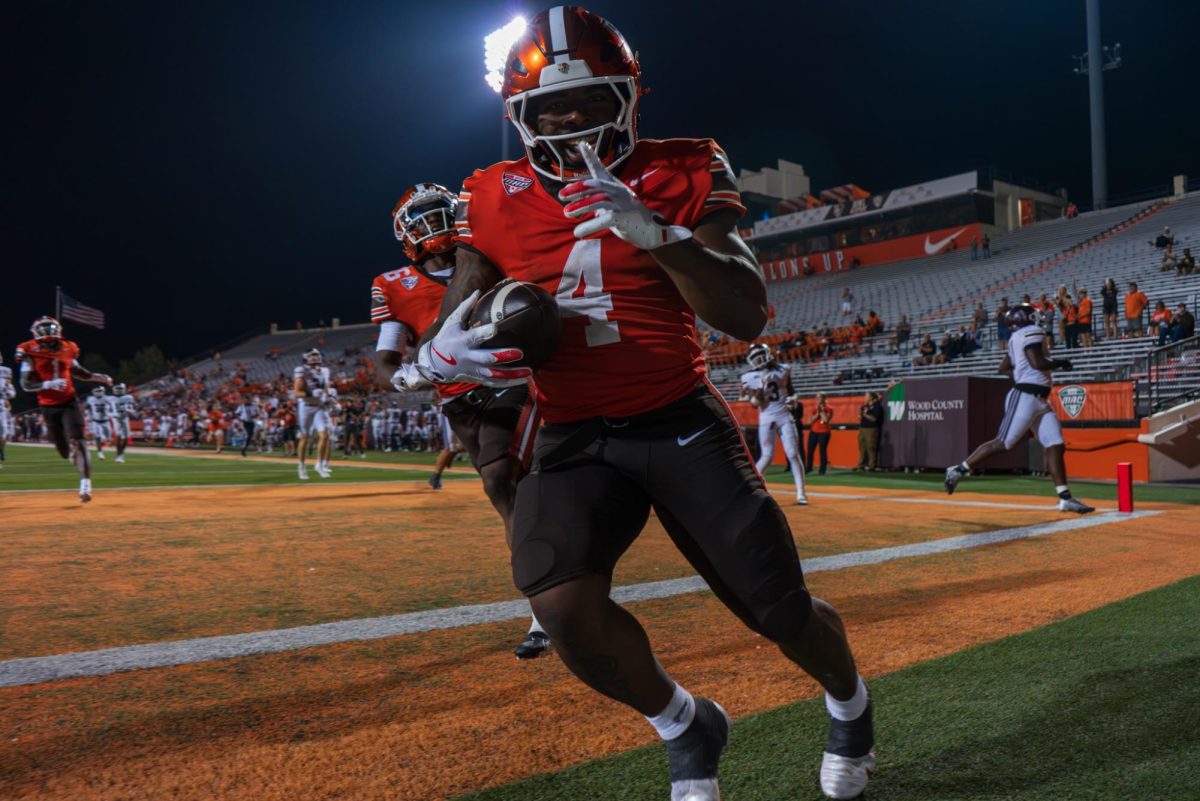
(39, 468)
(994, 484)
(1099, 707)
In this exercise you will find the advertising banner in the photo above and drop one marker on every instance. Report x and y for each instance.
(1093, 401)
(899, 249)
(935, 422)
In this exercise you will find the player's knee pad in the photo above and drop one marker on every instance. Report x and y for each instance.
(773, 589)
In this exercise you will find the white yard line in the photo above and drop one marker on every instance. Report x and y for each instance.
(35, 670)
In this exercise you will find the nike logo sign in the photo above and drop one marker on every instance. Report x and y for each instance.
(934, 247)
(684, 441)
(452, 362)
(499, 392)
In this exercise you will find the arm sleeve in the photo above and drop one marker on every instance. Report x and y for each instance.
(393, 335)
(716, 188)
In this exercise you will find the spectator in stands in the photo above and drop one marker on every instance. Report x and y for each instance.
(874, 324)
(987, 246)
(1187, 265)
(870, 420)
(819, 433)
(1049, 313)
(847, 302)
(1002, 332)
(1160, 322)
(949, 349)
(974, 248)
(901, 335)
(1135, 303)
(1166, 239)
(1109, 295)
(926, 352)
(1070, 320)
(1184, 326)
(1083, 319)
(1169, 263)
(979, 320)
(1071, 211)
(967, 342)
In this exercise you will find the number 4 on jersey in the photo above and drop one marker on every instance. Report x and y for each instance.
(583, 267)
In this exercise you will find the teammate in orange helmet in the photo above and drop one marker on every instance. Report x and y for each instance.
(495, 428)
(49, 365)
(636, 238)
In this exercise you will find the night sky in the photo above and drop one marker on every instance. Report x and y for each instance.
(200, 169)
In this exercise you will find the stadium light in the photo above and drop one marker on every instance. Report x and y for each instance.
(495, 50)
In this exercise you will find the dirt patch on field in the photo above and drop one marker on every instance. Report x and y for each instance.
(142, 566)
(436, 715)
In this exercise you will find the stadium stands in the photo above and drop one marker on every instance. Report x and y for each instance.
(938, 294)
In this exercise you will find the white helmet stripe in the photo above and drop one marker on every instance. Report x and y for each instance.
(558, 34)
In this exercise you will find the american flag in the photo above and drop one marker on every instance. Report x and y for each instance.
(81, 313)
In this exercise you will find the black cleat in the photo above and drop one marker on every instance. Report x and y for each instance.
(534, 645)
(435, 481)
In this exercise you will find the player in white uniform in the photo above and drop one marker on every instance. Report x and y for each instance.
(395, 426)
(7, 390)
(121, 407)
(98, 412)
(768, 386)
(311, 385)
(1026, 408)
(378, 427)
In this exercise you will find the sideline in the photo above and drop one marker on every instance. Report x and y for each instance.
(35, 670)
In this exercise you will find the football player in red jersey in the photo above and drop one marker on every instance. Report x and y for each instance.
(495, 426)
(631, 420)
(49, 365)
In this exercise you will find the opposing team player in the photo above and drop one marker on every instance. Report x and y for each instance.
(49, 367)
(768, 386)
(495, 427)
(121, 409)
(98, 416)
(7, 392)
(632, 422)
(311, 385)
(1026, 408)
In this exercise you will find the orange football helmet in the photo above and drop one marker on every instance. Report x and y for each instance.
(45, 328)
(567, 47)
(424, 220)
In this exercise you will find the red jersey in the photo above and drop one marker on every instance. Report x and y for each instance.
(49, 364)
(629, 341)
(412, 299)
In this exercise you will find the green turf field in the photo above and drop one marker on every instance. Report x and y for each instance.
(1100, 707)
(992, 484)
(29, 467)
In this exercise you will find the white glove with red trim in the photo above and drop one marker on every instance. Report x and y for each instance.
(454, 354)
(614, 206)
(55, 384)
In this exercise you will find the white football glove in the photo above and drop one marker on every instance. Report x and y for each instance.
(454, 354)
(408, 378)
(55, 384)
(613, 205)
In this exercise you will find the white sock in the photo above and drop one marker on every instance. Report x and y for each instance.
(1063, 490)
(850, 709)
(85, 485)
(534, 625)
(676, 717)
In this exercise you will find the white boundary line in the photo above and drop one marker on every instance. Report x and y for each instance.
(35, 670)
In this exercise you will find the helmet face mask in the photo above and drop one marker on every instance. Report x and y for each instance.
(98, 392)
(313, 358)
(1021, 315)
(46, 328)
(423, 220)
(759, 356)
(118, 389)
(549, 154)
